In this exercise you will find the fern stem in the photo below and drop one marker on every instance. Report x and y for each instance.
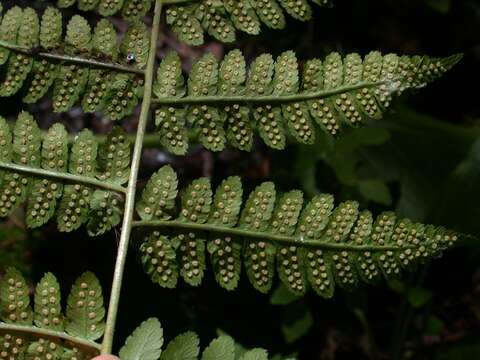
(268, 99)
(70, 59)
(63, 176)
(279, 239)
(50, 333)
(132, 186)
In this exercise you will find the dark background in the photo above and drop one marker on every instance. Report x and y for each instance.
(423, 160)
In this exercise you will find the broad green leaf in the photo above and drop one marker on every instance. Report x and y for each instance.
(145, 343)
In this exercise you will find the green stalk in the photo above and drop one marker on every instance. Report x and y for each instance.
(70, 59)
(264, 99)
(78, 179)
(279, 239)
(132, 185)
(50, 334)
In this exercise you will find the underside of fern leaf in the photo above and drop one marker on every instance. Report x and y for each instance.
(83, 185)
(309, 244)
(190, 19)
(45, 332)
(226, 103)
(80, 65)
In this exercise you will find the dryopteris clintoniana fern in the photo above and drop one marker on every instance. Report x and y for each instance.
(225, 102)
(311, 243)
(189, 19)
(44, 331)
(83, 186)
(314, 245)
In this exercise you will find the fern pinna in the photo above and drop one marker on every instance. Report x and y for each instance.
(85, 179)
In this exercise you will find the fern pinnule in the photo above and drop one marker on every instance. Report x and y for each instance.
(8, 30)
(314, 245)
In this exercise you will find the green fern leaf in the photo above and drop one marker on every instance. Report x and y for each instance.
(170, 121)
(336, 93)
(114, 157)
(45, 349)
(20, 65)
(316, 246)
(104, 40)
(243, 16)
(215, 21)
(321, 109)
(51, 28)
(65, 3)
(184, 24)
(222, 348)
(232, 78)
(255, 354)
(195, 208)
(72, 79)
(14, 299)
(299, 10)
(158, 197)
(78, 37)
(270, 13)
(9, 29)
(85, 311)
(135, 9)
(259, 255)
(13, 346)
(97, 91)
(169, 81)
(43, 201)
(44, 75)
(226, 253)
(45, 339)
(68, 86)
(109, 7)
(106, 210)
(74, 206)
(121, 98)
(145, 343)
(206, 119)
(159, 259)
(361, 235)
(26, 151)
(136, 42)
(48, 311)
(183, 347)
(5, 146)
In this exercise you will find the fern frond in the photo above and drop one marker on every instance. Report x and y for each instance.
(42, 332)
(316, 244)
(226, 105)
(85, 66)
(75, 187)
(189, 19)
